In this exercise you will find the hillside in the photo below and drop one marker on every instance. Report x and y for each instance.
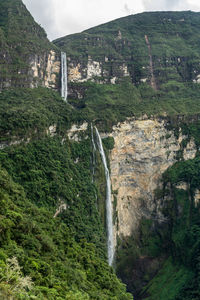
(124, 47)
(24, 48)
(49, 220)
(137, 80)
(148, 64)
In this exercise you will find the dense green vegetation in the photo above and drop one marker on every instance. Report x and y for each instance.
(62, 253)
(58, 267)
(123, 41)
(52, 174)
(14, 18)
(21, 41)
(183, 235)
(21, 110)
(168, 255)
(109, 104)
(29, 113)
(52, 210)
(53, 171)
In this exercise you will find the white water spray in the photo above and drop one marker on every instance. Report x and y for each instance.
(64, 76)
(110, 243)
(93, 153)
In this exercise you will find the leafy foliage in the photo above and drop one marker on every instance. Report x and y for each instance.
(21, 40)
(29, 113)
(13, 283)
(59, 267)
(64, 252)
(109, 104)
(183, 230)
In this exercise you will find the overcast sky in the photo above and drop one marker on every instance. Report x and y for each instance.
(63, 17)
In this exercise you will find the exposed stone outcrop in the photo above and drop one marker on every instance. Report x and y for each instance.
(44, 69)
(60, 209)
(16, 140)
(196, 197)
(182, 186)
(152, 81)
(96, 70)
(52, 130)
(38, 70)
(190, 150)
(143, 150)
(74, 133)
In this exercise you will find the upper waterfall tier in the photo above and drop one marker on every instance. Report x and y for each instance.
(63, 76)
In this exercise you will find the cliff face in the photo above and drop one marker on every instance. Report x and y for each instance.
(27, 58)
(97, 70)
(148, 47)
(143, 150)
(44, 69)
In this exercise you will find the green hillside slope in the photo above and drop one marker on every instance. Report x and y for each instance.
(173, 38)
(22, 41)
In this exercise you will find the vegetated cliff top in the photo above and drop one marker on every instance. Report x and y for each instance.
(128, 34)
(172, 39)
(21, 41)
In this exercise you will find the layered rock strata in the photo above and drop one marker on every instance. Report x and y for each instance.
(143, 150)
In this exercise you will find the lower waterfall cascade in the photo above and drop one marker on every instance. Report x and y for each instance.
(93, 152)
(109, 219)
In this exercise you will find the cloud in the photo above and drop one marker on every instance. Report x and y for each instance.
(43, 13)
(153, 5)
(63, 17)
(127, 9)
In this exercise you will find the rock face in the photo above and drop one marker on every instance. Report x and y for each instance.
(94, 70)
(27, 57)
(44, 69)
(143, 150)
(41, 70)
(142, 47)
(74, 133)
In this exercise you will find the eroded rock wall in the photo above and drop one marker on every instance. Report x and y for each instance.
(98, 70)
(44, 70)
(36, 70)
(143, 150)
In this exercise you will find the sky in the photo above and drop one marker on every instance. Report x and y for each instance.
(63, 17)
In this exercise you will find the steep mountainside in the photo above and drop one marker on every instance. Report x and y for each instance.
(137, 80)
(27, 58)
(53, 243)
(149, 67)
(157, 48)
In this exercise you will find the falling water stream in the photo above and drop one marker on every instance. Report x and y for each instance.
(110, 243)
(93, 153)
(64, 76)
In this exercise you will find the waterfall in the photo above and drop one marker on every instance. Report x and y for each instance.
(63, 76)
(93, 153)
(110, 243)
